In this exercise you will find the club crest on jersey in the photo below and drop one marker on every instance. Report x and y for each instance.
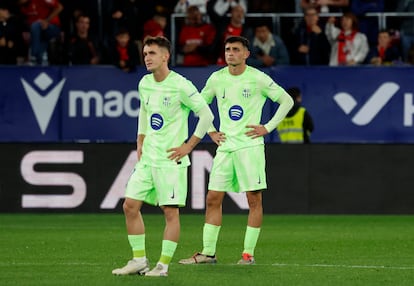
(235, 112)
(156, 121)
(166, 101)
(246, 93)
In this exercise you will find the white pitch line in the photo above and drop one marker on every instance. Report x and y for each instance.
(344, 266)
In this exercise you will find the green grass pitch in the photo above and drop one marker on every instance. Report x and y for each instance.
(82, 249)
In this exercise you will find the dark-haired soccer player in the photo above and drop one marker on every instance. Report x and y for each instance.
(160, 175)
(239, 164)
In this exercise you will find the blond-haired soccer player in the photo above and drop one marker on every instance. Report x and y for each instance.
(160, 175)
(239, 164)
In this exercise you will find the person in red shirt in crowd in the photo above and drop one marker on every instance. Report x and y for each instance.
(234, 27)
(155, 27)
(124, 52)
(42, 20)
(196, 39)
(385, 53)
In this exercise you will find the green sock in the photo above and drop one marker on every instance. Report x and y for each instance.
(250, 239)
(167, 251)
(137, 243)
(210, 236)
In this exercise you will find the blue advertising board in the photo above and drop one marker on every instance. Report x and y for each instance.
(101, 104)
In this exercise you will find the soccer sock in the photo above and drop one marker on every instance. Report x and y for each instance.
(167, 252)
(137, 243)
(250, 239)
(210, 236)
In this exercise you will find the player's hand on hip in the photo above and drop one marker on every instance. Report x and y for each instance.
(177, 153)
(217, 137)
(256, 131)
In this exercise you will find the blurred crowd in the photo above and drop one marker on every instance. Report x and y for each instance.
(111, 32)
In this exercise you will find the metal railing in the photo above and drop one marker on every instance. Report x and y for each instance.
(277, 23)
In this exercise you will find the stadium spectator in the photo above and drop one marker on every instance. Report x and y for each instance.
(11, 40)
(235, 26)
(241, 92)
(74, 8)
(123, 52)
(42, 20)
(348, 46)
(384, 53)
(406, 26)
(182, 6)
(311, 47)
(83, 48)
(297, 126)
(267, 49)
(155, 26)
(196, 40)
(160, 175)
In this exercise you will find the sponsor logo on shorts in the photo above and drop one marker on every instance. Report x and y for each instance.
(235, 112)
(157, 121)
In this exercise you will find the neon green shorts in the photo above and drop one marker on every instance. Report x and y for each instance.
(239, 171)
(163, 186)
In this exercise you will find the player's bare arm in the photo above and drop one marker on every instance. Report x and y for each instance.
(140, 142)
(256, 131)
(178, 152)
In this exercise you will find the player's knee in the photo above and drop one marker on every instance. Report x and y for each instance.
(129, 208)
(214, 199)
(171, 213)
(254, 200)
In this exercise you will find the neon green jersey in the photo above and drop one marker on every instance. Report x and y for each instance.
(167, 105)
(240, 100)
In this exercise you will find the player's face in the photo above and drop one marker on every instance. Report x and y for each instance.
(235, 53)
(155, 57)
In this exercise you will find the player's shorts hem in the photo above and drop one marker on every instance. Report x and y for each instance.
(237, 191)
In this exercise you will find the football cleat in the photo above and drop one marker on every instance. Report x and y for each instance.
(246, 259)
(158, 271)
(199, 258)
(133, 267)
